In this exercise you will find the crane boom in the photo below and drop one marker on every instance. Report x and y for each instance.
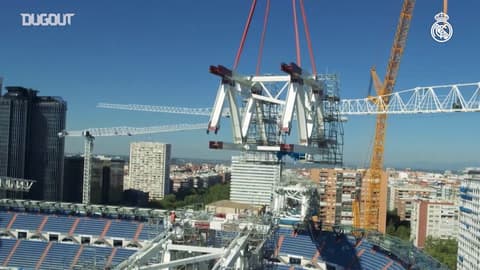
(374, 201)
(90, 134)
(450, 98)
(130, 131)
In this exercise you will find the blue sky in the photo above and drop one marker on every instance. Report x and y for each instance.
(158, 52)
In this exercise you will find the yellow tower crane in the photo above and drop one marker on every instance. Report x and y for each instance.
(369, 209)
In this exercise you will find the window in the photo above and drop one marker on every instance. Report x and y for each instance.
(22, 235)
(53, 237)
(117, 243)
(85, 240)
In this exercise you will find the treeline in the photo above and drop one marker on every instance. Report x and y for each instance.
(444, 250)
(196, 197)
(396, 227)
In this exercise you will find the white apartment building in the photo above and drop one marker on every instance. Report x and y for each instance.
(149, 169)
(402, 195)
(469, 227)
(438, 219)
(254, 178)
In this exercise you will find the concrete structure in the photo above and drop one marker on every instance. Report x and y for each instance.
(253, 179)
(436, 219)
(229, 207)
(337, 189)
(401, 197)
(149, 169)
(469, 227)
(29, 144)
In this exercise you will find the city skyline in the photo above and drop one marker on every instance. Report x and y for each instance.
(111, 54)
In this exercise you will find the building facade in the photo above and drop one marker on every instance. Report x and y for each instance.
(469, 227)
(29, 144)
(401, 198)
(337, 190)
(437, 219)
(253, 182)
(149, 169)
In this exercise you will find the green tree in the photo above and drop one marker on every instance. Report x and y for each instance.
(396, 227)
(193, 197)
(444, 250)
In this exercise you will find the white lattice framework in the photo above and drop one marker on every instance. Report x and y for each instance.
(431, 99)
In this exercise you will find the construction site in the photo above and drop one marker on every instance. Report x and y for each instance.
(273, 220)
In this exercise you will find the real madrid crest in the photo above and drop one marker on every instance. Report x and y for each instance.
(442, 30)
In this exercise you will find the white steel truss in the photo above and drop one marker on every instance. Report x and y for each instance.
(262, 109)
(431, 99)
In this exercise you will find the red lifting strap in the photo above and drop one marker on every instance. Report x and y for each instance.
(262, 40)
(295, 27)
(309, 41)
(245, 32)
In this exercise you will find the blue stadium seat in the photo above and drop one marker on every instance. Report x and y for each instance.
(91, 255)
(59, 224)
(60, 256)
(6, 246)
(335, 249)
(150, 231)
(27, 221)
(301, 245)
(5, 218)
(121, 255)
(27, 254)
(122, 229)
(90, 226)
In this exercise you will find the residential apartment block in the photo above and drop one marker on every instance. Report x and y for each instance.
(149, 169)
(437, 219)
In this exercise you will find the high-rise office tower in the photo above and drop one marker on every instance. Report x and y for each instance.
(29, 143)
(149, 169)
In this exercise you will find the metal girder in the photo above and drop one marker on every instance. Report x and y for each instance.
(141, 257)
(430, 99)
(87, 168)
(233, 251)
(197, 249)
(464, 97)
(129, 131)
(152, 108)
(283, 148)
(180, 262)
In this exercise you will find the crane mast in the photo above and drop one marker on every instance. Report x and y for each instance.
(374, 203)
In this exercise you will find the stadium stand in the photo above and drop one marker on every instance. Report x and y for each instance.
(78, 225)
(27, 253)
(52, 255)
(335, 249)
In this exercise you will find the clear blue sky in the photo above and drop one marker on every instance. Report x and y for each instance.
(158, 52)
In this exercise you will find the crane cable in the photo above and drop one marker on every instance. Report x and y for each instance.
(244, 35)
(262, 40)
(295, 27)
(309, 41)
